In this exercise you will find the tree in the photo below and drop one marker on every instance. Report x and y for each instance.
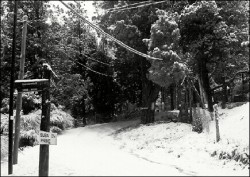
(131, 27)
(203, 33)
(37, 26)
(235, 57)
(164, 44)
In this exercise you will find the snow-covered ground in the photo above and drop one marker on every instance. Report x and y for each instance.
(166, 149)
(193, 153)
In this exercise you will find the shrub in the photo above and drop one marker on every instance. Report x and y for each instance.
(4, 124)
(5, 106)
(55, 129)
(30, 125)
(4, 147)
(30, 102)
(61, 119)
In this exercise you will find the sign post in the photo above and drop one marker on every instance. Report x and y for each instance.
(45, 137)
(45, 120)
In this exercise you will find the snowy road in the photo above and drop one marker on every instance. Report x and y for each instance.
(88, 151)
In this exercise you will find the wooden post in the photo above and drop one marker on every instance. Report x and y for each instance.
(19, 96)
(45, 120)
(217, 123)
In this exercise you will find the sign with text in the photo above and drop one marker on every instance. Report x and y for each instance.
(31, 85)
(47, 138)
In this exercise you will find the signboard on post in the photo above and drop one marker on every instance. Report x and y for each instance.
(31, 85)
(47, 138)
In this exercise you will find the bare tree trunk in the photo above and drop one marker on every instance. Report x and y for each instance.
(178, 100)
(202, 92)
(176, 96)
(224, 92)
(186, 102)
(203, 75)
(172, 96)
(150, 93)
(197, 95)
(190, 102)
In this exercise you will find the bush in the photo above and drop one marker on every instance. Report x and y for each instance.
(55, 129)
(30, 125)
(4, 147)
(30, 102)
(197, 121)
(61, 119)
(5, 106)
(4, 123)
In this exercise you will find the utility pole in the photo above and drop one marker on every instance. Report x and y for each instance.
(19, 96)
(10, 153)
(45, 120)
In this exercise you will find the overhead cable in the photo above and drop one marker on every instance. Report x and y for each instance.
(88, 68)
(109, 36)
(129, 5)
(96, 60)
(144, 5)
(90, 58)
(92, 69)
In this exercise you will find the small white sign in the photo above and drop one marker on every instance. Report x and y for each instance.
(47, 138)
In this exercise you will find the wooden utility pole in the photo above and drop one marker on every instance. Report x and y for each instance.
(19, 96)
(45, 120)
(10, 153)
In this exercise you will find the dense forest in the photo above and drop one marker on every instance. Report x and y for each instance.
(204, 47)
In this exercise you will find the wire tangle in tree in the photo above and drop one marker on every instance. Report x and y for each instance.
(109, 36)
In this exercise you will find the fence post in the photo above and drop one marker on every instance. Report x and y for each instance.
(217, 123)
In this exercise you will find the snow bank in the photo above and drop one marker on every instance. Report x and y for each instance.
(195, 154)
(234, 124)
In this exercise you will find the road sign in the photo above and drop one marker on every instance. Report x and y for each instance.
(31, 85)
(47, 138)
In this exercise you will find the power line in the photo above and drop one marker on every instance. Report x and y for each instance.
(90, 58)
(85, 65)
(96, 60)
(144, 5)
(139, 3)
(92, 69)
(109, 36)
